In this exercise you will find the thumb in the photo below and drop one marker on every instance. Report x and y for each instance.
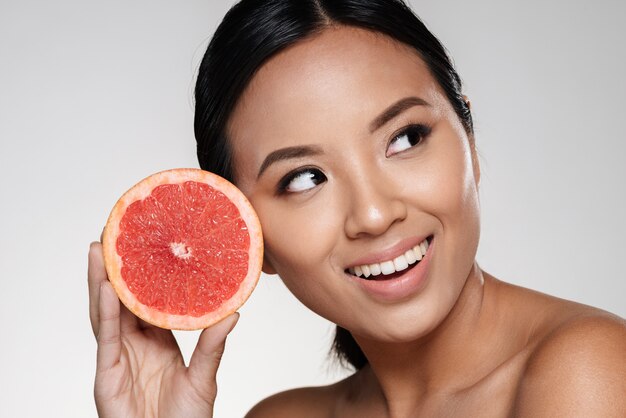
(208, 352)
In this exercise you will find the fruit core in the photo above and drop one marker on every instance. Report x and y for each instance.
(180, 250)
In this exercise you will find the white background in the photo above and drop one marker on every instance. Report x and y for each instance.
(96, 95)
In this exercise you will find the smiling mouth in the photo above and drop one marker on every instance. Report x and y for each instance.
(391, 269)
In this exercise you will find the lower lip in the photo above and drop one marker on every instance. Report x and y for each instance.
(393, 290)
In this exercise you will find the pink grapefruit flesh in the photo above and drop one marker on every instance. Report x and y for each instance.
(183, 249)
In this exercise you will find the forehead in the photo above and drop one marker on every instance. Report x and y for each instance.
(331, 84)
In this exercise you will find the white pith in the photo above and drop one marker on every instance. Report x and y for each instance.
(400, 263)
(180, 250)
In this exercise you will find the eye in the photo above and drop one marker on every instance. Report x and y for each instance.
(301, 180)
(407, 138)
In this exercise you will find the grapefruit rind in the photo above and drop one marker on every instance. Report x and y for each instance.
(113, 261)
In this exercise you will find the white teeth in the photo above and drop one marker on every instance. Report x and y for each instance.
(418, 252)
(375, 269)
(424, 247)
(358, 271)
(366, 270)
(399, 263)
(387, 267)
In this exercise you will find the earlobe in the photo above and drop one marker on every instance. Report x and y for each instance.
(267, 266)
(467, 102)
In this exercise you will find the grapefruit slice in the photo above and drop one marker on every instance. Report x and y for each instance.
(183, 249)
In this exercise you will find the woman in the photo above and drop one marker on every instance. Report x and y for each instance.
(345, 125)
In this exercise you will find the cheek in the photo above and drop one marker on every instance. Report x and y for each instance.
(448, 191)
(299, 240)
(456, 190)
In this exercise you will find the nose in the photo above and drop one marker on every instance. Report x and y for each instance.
(375, 204)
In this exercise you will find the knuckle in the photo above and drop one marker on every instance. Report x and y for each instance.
(108, 339)
(114, 316)
(217, 355)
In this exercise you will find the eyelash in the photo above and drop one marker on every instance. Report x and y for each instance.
(418, 130)
(285, 181)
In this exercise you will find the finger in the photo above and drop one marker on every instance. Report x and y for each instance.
(109, 337)
(128, 320)
(208, 352)
(96, 274)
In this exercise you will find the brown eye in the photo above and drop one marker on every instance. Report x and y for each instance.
(301, 180)
(409, 137)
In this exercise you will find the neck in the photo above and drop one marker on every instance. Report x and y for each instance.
(451, 357)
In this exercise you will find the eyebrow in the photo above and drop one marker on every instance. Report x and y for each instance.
(310, 150)
(287, 154)
(395, 109)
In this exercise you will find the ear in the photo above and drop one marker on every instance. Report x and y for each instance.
(475, 161)
(267, 266)
(472, 141)
(467, 102)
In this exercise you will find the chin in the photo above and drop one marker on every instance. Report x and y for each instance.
(403, 325)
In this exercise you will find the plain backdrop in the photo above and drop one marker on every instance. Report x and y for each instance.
(95, 96)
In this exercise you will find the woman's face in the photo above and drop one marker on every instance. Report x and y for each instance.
(351, 155)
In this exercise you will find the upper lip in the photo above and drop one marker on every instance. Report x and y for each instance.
(389, 253)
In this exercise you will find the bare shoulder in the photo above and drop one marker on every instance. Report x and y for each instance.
(307, 402)
(576, 368)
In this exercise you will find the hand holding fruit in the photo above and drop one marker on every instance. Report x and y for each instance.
(140, 371)
(182, 249)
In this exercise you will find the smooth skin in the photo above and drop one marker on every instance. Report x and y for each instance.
(140, 371)
(463, 344)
